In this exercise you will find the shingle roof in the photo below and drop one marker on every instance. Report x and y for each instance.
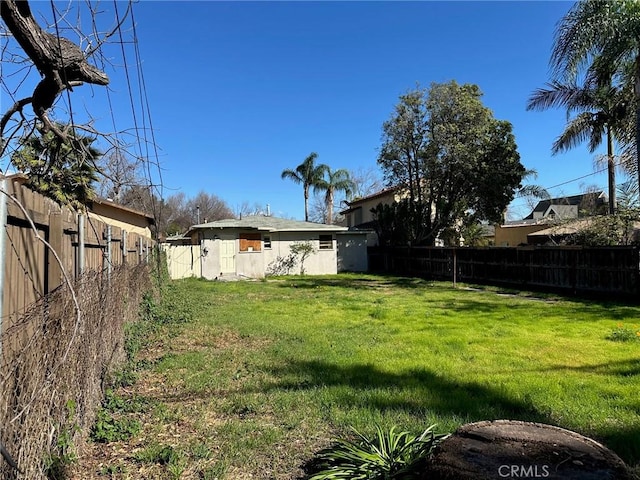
(269, 224)
(543, 205)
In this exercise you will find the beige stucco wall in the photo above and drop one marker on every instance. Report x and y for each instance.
(255, 264)
(365, 207)
(512, 236)
(126, 220)
(320, 262)
(352, 252)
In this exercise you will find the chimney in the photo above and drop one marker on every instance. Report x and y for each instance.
(268, 210)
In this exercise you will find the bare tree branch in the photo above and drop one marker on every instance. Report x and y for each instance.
(60, 61)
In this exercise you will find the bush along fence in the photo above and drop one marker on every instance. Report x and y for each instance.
(607, 272)
(68, 284)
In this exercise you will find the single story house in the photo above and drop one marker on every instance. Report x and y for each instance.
(126, 218)
(259, 245)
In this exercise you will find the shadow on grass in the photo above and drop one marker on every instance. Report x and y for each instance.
(418, 392)
(414, 392)
(622, 368)
(473, 299)
(355, 282)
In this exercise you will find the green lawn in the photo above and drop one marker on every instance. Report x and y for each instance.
(268, 372)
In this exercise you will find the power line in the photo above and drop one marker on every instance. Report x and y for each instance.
(566, 182)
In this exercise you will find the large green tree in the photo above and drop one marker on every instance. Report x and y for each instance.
(601, 111)
(62, 168)
(454, 160)
(606, 30)
(310, 175)
(332, 182)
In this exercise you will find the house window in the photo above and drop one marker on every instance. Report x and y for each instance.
(267, 241)
(250, 242)
(326, 242)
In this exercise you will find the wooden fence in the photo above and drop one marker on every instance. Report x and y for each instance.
(60, 340)
(183, 261)
(609, 272)
(81, 242)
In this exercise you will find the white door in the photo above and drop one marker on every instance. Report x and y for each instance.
(228, 256)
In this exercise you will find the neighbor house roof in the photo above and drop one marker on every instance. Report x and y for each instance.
(106, 203)
(359, 201)
(569, 228)
(543, 205)
(269, 224)
(110, 204)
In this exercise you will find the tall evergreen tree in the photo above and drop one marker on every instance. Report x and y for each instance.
(451, 158)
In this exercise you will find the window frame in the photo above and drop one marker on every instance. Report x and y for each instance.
(249, 242)
(322, 242)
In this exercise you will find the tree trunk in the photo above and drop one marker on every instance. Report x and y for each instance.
(306, 203)
(515, 449)
(637, 92)
(611, 166)
(329, 207)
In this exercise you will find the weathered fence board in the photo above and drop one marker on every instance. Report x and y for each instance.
(58, 342)
(31, 268)
(183, 261)
(606, 271)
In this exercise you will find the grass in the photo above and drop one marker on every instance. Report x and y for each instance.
(266, 373)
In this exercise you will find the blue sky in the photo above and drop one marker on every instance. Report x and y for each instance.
(239, 91)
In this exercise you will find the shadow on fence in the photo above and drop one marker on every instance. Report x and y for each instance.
(605, 272)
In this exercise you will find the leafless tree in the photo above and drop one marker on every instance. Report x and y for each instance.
(366, 181)
(119, 171)
(210, 208)
(61, 63)
(245, 208)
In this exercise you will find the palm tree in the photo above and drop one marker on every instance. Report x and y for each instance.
(338, 181)
(606, 30)
(309, 175)
(62, 169)
(602, 112)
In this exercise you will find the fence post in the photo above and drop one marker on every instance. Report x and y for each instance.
(124, 247)
(455, 268)
(81, 234)
(109, 253)
(139, 250)
(54, 276)
(3, 246)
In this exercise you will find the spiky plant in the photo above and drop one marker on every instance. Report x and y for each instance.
(390, 455)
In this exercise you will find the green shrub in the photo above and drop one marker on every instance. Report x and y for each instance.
(624, 334)
(389, 456)
(158, 453)
(109, 428)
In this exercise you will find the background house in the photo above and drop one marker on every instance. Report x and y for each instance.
(257, 245)
(120, 216)
(358, 216)
(548, 213)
